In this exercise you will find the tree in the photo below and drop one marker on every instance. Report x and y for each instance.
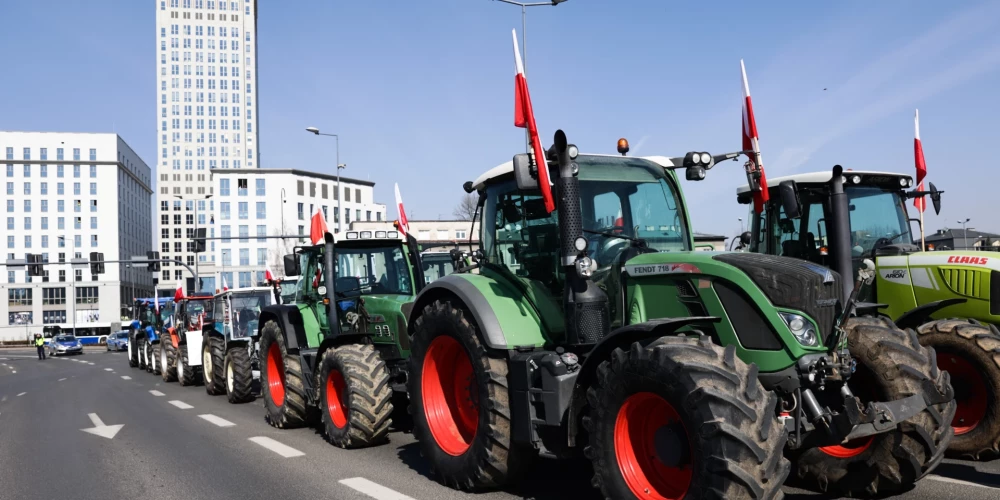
(466, 208)
(279, 248)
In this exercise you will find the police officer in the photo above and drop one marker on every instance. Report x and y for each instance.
(40, 345)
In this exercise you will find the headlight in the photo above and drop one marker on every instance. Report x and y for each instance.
(903, 181)
(706, 158)
(583, 267)
(802, 329)
(856, 179)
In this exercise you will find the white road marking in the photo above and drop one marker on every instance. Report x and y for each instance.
(221, 422)
(373, 489)
(90, 363)
(13, 371)
(109, 369)
(279, 448)
(22, 394)
(126, 377)
(157, 393)
(99, 429)
(182, 405)
(62, 379)
(935, 477)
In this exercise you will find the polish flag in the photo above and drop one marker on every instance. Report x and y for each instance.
(156, 301)
(918, 156)
(404, 226)
(268, 275)
(318, 228)
(524, 117)
(751, 143)
(225, 286)
(179, 293)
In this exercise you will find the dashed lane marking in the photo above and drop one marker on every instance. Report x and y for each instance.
(180, 404)
(935, 477)
(22, 394)
(109, 369)
(221, 422)
(62, 379)
(157, 393)
(91, 363)
(126, 377)
(279, 448)
(373, 489)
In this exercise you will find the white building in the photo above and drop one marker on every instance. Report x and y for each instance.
(431, 231)
(271, 202)
(66, 195)
(206, 107)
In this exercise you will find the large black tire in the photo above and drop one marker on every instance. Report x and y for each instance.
(970, 352)
(168, 360)
(281, 380)
(155, 361)
(133, 350)
(239, 375)
(213, 352)
(891, 365)
(355, 396)
(723, 413)
(140, 346)
(186, 374)
(490, 458)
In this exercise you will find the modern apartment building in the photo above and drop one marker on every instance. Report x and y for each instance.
(66, 195)
(206, 111)
(269, 202)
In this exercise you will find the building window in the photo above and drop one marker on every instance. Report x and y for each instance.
(93, 154)
(244, 233)
(53, 296)
(225, 234)
(302, 208)
(93, 222)
(347, 194)
(378, 216)
(227, 257)
(27, 153)
(10, 170)
(62, 275)
(357, 196)
(10, 153)
(10, 223)
(368, 215)
(424, 234)
(241, 187)
(224, 210)
(261, 231)
(244, 257)
(27, 171)
(86, 294)
(93, 205)
(301, 188)
(260, 187)
(53, 317)
(27, 222)
(261, 256)
(93, 188)
(27, 206)
(19, 296)
(223, 186)
(77, 241)
(244, 279)
(244, 210)
(261, 210)
(93, 170)
(93, 240)
(460, 234)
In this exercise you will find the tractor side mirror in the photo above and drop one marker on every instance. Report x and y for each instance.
(935, 198)
(522, 172)
(292, 267)
(745, 238)
(789, 199)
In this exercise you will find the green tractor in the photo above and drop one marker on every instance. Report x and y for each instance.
(578, 334)
(341, 348)
(924, 291)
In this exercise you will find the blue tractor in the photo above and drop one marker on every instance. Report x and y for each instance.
(144, 331)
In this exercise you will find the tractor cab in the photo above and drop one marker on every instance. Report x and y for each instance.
(236, 313)
(191, 313)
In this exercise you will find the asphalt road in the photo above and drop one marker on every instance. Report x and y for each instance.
(179, 442)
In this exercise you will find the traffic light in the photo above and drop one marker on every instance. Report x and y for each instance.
(96, 263)
(199, 240)
(154, 264)
(34, 264)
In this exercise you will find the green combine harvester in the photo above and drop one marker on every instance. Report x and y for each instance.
(341, 348)
(596, 330)
(924, 291)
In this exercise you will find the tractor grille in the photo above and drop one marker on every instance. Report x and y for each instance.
(967, 282)
(593, 321)
(795, 284)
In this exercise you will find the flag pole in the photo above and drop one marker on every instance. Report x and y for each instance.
(923, 246)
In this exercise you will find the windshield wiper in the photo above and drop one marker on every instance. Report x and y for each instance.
(636, 241)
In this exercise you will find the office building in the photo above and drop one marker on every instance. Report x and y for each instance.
(66, 195)
(206, 111)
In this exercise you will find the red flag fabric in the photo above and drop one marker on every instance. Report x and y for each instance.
(751, 143)
(179, 293)
(404, 226)
(524, 117)
(918, 158)
(318, 228)
(225, 286)
(268, 275)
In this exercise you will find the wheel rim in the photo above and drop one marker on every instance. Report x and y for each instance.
(336, 394)
(639, 419)
(180, 364)
(862, 384)
(971, 392)
(449, 395)
(275, 375)
(229, 376)
(206, 361)
(163, 359)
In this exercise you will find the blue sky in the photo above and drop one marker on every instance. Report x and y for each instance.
(421, 92)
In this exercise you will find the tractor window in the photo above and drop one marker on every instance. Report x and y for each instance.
(876, 214)
(526, 238)
(373, 270)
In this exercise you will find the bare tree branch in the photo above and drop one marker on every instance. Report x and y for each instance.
(466, 208)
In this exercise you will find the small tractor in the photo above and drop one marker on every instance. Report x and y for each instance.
(577, 336)
(924, 291)
(181, 357)
(229, 355)
(144, 332)
(341, 347)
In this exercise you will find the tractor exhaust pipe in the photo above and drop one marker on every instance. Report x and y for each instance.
(330, 280)
(840, 232)
(586, 305)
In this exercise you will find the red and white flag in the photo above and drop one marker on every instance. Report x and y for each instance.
(318, 228)
(524, 117)
(268, 275)
(156, 300)
(404, 225)
(225, 286)
(918, 158)
(179, 293)
(751, 143)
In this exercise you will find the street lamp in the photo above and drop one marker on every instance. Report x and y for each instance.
(197, 279)
(340, 166)
(524, 43)
(965, 233)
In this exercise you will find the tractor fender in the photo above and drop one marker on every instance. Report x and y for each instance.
(622, 337)
(462, 288)
(922, 314)
(150, 334)
(289, 319)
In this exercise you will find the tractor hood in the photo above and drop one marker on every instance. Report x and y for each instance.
(923, 278)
